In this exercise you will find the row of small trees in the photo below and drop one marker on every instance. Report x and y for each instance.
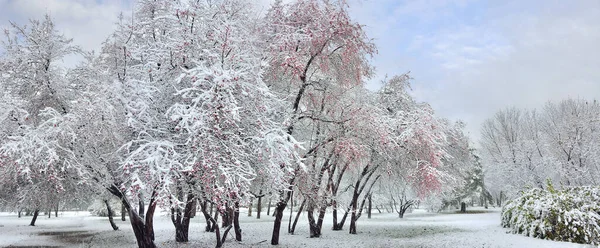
(208, 102)
(524, 148)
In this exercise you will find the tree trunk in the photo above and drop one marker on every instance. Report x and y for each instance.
(314, 230)
(226, 216)
(216, 217)
(217, 232)
(236, 222)
(215, 225)
(56, 210)
(370, 207)
(49, 213)
(269, 208)
(463, 207)
(141, 205)
(259, 207)
(35, 215)
(206, 214)
(337, 226)
(334, 215)
(250, 207)
(353, 217)
(144, 232)
(291, 214)
(322, 211)
(110, 216)
(180, 220)
(293, 228)
(278, 212)
(123, 212)
(401, 212)
(19, 213)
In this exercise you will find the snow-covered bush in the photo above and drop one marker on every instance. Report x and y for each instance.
(98, 208)
(566, 215)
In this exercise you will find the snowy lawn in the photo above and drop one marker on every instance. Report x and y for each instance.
(417, 229)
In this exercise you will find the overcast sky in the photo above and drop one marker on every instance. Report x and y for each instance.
(468, 58)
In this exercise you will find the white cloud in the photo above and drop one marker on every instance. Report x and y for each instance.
(531, 58)
(88, 22)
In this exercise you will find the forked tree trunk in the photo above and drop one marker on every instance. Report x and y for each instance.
(181, 221)
(206, 214)
(356, 214)
(35, 215)
(110, 216)
(143, 230)
(216, 218)
(226, 216)
(337, 226)
(313, 229)
(293, 227)
(220, 240)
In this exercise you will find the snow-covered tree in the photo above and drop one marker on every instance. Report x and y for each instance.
(524, 148)
(311, 44)
(37, 152)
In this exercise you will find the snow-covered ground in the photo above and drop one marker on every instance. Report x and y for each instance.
(417, 229)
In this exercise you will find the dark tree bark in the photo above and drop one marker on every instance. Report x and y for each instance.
(49, 213)
(56, 210)
(220, 240)
(292, 229)
(236, 222)
(143, 230)
(268, 208)
(463, 207)
(334, 186)
(353, 217)
(123, 212)
(181, 220)
(20, 213)
(250, 207)
(206, 214)
(110, 216)
(291, 214)
(356, 214)
(370, 206)
(226, 216)
(35, 215)
(141, 205)
(315, 225)
(216, 217)
(314, 230)
(259, 206)
(278, 212)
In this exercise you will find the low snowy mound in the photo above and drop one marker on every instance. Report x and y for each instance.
(562, 215)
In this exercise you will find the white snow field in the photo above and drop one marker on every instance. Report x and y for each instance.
(417, 229)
